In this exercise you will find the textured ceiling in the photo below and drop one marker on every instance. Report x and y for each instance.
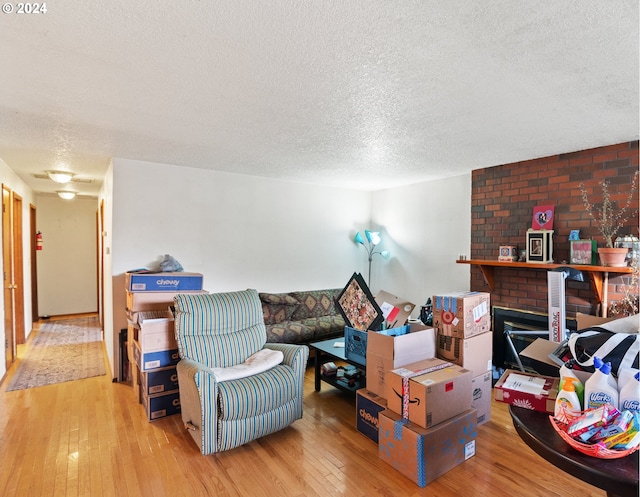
(359, 94)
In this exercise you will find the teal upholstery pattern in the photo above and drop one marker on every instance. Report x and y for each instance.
(222, 330)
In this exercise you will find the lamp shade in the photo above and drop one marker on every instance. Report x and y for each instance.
(60, 176)
(66, 194)
(358, 238)
(373, 237)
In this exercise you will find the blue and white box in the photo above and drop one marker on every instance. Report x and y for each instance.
(163, 282)
(161, 405)
(160, 380)
(154, 360)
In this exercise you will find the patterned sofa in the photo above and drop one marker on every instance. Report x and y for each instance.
(302, 317)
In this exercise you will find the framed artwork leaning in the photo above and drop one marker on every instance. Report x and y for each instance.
(357, 305)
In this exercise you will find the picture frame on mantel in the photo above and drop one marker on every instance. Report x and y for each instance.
(583, 252)
(543, 217)
(540, 246)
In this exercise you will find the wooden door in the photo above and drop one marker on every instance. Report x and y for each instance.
(100, 246)
(7, 278)
(34, 264)
(18, 267)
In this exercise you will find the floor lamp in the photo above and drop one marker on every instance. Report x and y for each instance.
(372, 240)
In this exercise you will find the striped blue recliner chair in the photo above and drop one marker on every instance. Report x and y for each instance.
(222, 338)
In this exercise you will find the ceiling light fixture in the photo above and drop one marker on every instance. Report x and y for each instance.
(66, 194)
(60, 176)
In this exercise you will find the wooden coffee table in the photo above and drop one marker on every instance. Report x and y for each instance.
(619, 477)
(326, 352)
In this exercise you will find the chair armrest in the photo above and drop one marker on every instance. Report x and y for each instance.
(294, 355)
(190, 367)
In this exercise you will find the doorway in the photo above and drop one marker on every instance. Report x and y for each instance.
(13, 274)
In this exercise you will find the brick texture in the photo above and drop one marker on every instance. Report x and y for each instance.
(502, 202)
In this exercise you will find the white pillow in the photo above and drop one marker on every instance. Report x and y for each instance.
(257, 363)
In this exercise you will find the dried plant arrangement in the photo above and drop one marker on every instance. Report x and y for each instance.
(629, 305)
(609, 220)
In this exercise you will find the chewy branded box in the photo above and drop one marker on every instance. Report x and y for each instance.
(160, 380)
(368, 405)
(154, 331)
(152, 301)
(161, 405)
(163, 282)
(473, 353)
(154, 360)
(385, 353)
(423, 455)
(481, 396)
(462, 314)
(429, 391)
(527, 390)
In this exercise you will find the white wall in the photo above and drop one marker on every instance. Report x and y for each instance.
(246, 232)
(67, 272)
(11, 180)
(239, 231)
(426, 227)
(106, 197)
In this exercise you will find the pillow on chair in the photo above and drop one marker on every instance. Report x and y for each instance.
(257, 363)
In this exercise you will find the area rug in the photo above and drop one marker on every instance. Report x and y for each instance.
(63, 350)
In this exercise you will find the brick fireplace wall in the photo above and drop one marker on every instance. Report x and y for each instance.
(502, 202)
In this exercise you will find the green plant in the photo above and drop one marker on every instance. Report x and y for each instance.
(607, 218)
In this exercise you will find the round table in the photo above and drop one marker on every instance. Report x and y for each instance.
(618, 477)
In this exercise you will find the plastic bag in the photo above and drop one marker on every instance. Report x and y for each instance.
(170, 265)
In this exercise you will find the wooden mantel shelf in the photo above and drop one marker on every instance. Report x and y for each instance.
(598, 275)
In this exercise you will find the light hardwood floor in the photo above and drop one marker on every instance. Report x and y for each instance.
(91, 438)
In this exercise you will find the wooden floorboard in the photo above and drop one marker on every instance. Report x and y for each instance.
(90, 438)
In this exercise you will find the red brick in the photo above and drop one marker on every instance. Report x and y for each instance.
(508, 193)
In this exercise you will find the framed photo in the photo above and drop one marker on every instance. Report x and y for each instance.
(539, 246)
(542, 217)
(583, 252)
(358, 307)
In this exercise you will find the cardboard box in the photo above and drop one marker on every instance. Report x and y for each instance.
(163, 282)
(429, 391)
(473, 353)
(151, 301)
(587, 320)
(481, 396)
(155, 331)
(528, 390)
(462, 314)
(396, 311)
(368, 406)
(161, 405)
(160, 380)
(385, 353)
(537, 356)
(135, 381)
(356, 341)
(154, 360)
(423, 455)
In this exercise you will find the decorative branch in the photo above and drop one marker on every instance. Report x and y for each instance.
(609, 220)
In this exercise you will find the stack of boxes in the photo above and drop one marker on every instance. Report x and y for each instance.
(429, 426)
(428, 390)
(151, 346)
(462, 322)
